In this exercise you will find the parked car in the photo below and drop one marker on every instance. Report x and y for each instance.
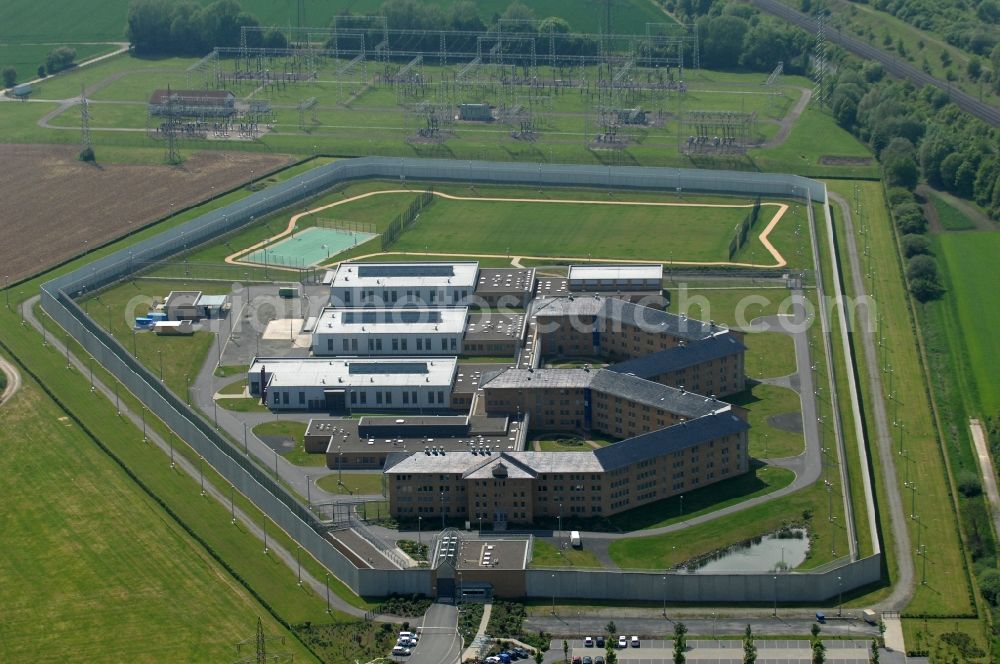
(492, 660)
(623, 641)
(588, 642)
(635, 642)
(520, 652)
(577, 660)
(587, 659)
(600, 642)
(409, 635)
(406, 642)
(599, 659)
(400, 650)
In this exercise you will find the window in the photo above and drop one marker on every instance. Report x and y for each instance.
(427, 343)
(284, 398)
(420, 343)
(388, 397)
(276, 398)
(440, 397)
(347, 296)
(329, 344)
(354, 398)
(302, 398)
(371, 344)
(378, 396)
(406, 397)
(444, 343)
(364, 398)
(378, 344)
(404, 343)
(345, 344)
(454, 343)
(395, 344)
(413, 396)
(354, 345)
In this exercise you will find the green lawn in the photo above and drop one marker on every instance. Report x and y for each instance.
(78, 590)
(729, 306)
(667, 551)
(759, 481)
(769, 354)
(365, 484)
(544, 554)
(575, 230)
(951, 218)
(247, 405)
(763, 402)
(556, 442)
(25, 58)
(293, 431)
(239, 387)
(814, 136)
(176, 359)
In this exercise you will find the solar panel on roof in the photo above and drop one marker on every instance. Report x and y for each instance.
(388, 368)
(406, 271)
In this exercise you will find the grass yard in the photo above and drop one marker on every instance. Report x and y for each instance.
(556, 442)
(574, 230)
(667, 551)
(26, 58)
(951, 219)
(769, 354)
(294, 432)
(239, 387)
(243, 405)
(759, 481)
(176, 359)
(544, 554)
(364, 484)
(735, 307)
(78, 590)
(765, 402)
(815, 144)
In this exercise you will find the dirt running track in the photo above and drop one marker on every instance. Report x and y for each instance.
(53, 204)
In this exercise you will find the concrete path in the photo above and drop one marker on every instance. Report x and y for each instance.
(470, 652)
(986, 467)
(13, 380)
(904, 577)
(894, 633)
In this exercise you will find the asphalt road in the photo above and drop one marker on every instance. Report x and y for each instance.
(439, 642)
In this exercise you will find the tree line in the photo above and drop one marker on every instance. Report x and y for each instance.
(57, 60)
(164, 27)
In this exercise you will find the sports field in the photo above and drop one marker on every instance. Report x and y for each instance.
(308, 247)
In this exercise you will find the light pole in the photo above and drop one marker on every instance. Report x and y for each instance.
(713, 624)
(160, 354)
(775, 614)
(298, 562)
(840, 598)
(275, 463)
(442, 509)
(328, 592)
(664, 595)
(201, 472)
(553, 594)
(232, 502)
(264, 522)
(144, 423)
(682, 504)
(309, 501)
(559, 532)
(420, 539)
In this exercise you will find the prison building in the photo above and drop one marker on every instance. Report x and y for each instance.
(194, 306)
(397, 331)
(623, 279)
(494, 334)
(505, 287)
(617, 404)
(366, 442)
(713, 366)
(392, 284)
(192, 103)
(519, 487)
(351, 384)
(586, 325)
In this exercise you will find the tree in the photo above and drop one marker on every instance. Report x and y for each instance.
(749, 647)
(465, 16)
(611, 628)
(610, 655)
(995, 62)
(921, 267)
(724, 37)
(680, 643)
(915, 245)
(274, 38)
(41, 71)
(989, 585)
(566, 651)
(874, 654)
(818, 652)
(815, 630)
(60, 58)
(539, 656)
(520, 14)
(902, 172)
(9, 77)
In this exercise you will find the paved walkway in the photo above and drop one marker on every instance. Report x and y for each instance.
(894, 633)
(986, 467)
(471, 652)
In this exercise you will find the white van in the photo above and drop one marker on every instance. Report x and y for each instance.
(408, 635)
(574, 539)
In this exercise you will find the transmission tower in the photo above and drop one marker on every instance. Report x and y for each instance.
(819, 61)
(85, 143)
(302, 13)
(261, 655)
(170, 130)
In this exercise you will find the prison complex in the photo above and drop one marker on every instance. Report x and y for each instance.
(648, 380)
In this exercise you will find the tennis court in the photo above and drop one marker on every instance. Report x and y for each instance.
(308, 247)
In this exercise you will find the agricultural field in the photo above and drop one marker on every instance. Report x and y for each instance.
(74, 221)
(140, 591)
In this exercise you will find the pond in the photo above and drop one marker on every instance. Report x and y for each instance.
(783, 550)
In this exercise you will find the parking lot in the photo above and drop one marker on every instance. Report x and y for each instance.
(769, 651)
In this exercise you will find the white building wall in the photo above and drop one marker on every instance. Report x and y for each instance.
(376, 397)
(364, 344)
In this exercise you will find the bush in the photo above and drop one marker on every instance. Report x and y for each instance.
(915, 245)
(9, 77)
(59, 59)
(989, 585)
(898, 196)
(911, 223)
(41, 71)
(925, 290)
(921, 267)
(968, 483)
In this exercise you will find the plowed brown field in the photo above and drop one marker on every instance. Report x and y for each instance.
(50, 203)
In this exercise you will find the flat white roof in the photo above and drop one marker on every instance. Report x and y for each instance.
(615, 272)
(396, 320)
(357, 372)
(211, 301)
(401, 275)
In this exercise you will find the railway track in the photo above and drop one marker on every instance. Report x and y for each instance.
(892, 65)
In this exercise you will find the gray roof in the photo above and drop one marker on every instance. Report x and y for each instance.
(680, 357)
(648, 319)
(656, 395)
(528, 378)
(671, 439)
